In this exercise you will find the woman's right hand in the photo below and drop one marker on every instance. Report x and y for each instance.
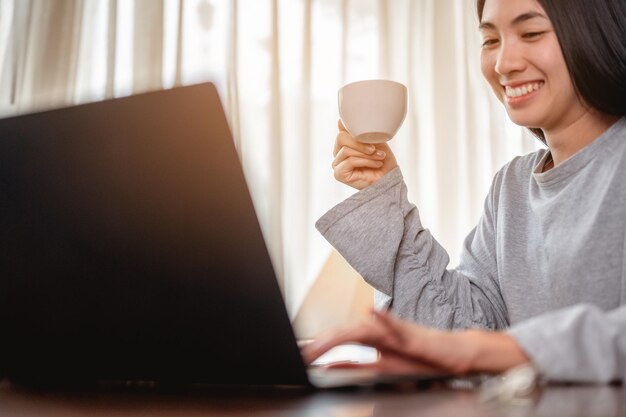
(360, 164)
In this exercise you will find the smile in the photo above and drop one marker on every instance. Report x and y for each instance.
(522, 90)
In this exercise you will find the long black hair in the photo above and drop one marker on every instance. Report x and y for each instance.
(592, 36)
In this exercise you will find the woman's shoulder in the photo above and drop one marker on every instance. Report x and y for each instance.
(615, 138)
(525, 163)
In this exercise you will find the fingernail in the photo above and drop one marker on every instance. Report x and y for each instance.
(380, 153)
(371, 148)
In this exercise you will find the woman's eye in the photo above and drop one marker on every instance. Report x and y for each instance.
(532, 35)
(489, 42)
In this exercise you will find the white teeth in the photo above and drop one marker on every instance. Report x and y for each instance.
(522, 90)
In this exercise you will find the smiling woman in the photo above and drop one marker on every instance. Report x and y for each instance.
(546, 264)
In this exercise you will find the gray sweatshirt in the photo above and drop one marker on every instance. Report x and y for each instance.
(546, 262)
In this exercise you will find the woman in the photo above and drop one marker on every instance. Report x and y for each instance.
(542, 277)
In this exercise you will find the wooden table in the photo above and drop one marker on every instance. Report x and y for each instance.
(437, 401)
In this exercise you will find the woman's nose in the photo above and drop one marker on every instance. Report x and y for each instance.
(510, 59)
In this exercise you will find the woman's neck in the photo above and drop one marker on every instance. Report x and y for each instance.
(565, 141)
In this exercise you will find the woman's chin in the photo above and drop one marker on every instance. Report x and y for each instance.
(523, 120)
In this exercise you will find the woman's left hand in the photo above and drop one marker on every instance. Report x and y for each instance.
(408, 348)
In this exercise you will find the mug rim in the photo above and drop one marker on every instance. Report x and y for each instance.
(375, 80)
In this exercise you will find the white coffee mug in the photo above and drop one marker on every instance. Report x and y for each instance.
(373, 110)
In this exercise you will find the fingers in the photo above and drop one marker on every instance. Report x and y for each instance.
(350, 153)
(344, 139)
(356, 169)
(415, 340)
(332, 338)
(403, 347)
(369, 334)
(391, 364)
(428, 345)
(358, 173)
(345, 153)
(345, 170)
(392, 358)
(348, 160)
(374, 334)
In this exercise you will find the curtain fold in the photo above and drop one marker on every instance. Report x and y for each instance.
(297, 161)
(45, 36)
(274, 229)
(278, 65)
(7, 53)
(148, 45)
(178, 74)
(232, 89)
(111, 49)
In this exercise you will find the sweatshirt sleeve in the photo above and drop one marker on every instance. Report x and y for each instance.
(380, 234)
(580, 343)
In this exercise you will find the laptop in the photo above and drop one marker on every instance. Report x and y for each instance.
(130, 251)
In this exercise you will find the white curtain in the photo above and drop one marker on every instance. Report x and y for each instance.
(278, 65)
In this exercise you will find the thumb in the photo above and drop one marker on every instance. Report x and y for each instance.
(341, 126)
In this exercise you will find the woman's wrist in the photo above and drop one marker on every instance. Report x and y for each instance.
(493, 352)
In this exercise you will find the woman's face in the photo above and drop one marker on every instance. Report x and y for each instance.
(523, 62)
